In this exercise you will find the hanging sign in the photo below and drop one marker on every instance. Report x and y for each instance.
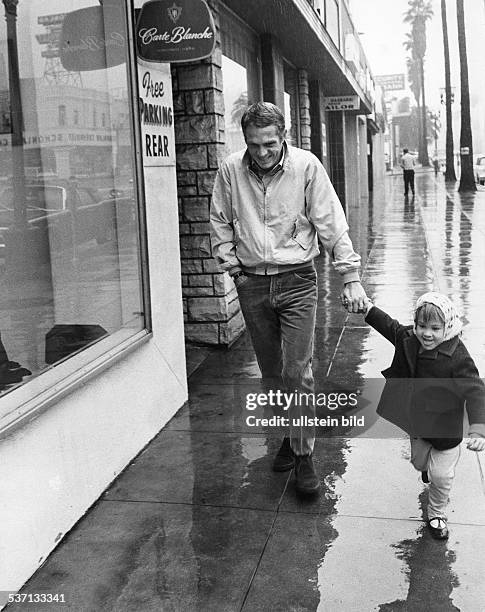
(180, 31)
(93, 38)
(390, 82)
(341, 103)
(156, 115)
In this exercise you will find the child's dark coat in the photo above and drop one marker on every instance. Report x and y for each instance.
(428, 402)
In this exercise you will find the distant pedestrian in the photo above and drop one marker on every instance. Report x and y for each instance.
(431, 379)
(407, 164)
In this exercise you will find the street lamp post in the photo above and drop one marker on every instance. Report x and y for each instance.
(16, 121)
(25, 246)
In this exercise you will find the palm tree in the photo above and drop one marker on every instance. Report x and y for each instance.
(467, 179)
(450, 160)
(418, 13)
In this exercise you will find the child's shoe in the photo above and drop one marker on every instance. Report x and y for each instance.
(438, 528)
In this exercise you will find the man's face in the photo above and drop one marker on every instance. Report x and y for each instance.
(264, 145)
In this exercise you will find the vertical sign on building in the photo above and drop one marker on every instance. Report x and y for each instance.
(156, 114)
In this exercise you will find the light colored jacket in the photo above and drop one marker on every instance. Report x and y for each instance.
(408, 162)
(275, 221)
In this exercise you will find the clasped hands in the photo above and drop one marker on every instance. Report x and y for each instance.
(354, 298)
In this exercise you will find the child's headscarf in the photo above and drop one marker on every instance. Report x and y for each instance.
(451, 316)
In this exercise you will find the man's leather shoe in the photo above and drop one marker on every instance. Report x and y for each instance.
(438, 528)
(285, 458)
(307, 481)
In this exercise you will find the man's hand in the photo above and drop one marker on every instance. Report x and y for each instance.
(475, 443)
(353, 297)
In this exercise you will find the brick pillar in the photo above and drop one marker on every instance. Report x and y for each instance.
(272, 71)
(211, 308)
(304, 103)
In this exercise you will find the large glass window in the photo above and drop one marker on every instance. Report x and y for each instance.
(332, 22)
(70, 272)
(240, 75)
(291, 105)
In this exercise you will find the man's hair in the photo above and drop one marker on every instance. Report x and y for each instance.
(405, 150)
(429, 312)
(263, 114)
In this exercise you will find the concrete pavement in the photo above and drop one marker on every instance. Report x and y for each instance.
(198, 522)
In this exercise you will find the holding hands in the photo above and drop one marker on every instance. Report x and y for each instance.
(475, 443)
(354, 298)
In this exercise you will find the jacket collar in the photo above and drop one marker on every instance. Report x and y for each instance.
(411, 349)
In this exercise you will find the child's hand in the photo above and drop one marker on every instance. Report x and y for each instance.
(367, 306)
(475, 443)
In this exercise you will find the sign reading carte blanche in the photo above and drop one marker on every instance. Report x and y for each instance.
(337, 103)
(179, 31)
(156, 115)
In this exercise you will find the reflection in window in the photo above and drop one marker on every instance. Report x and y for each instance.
(69, 242)
(291, 105)
(234, 77)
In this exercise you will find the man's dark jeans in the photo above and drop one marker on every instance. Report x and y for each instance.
(408, 181)
(279, 311)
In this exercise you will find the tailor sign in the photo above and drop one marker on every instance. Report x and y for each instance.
(180, 31)
(93, 38)
(341, 103)
(156, 114)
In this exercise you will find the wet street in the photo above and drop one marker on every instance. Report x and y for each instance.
(199, 522)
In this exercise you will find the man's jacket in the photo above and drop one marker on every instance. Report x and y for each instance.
(425, 395)
(276, 221)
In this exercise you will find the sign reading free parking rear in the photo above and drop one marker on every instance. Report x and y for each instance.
(156, 114)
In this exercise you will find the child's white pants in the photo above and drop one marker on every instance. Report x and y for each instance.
(440, 465)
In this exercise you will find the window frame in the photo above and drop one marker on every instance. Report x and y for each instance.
(28, 400)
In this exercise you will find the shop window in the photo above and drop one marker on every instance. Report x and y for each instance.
(70, 252)
(332, 21)
(241, 75)
(291, 111)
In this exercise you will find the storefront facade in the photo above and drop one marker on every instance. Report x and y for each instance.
(91, 308)
(107, 166)
(297, 57)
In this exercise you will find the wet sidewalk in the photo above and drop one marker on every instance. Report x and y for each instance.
(199, 522)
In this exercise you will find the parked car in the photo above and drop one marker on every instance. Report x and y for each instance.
(68, 213)
(479, 169)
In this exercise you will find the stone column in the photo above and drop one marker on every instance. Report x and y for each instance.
(304, 103)
(211, 308)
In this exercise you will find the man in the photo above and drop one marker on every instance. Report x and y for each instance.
(407, 164)
(270, 202)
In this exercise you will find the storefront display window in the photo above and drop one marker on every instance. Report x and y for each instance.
(332, 21)
(291, 105)
(70, 270)
(240, 75)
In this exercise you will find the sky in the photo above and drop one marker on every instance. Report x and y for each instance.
(383, 32)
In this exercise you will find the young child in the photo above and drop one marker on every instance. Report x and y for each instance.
(431, 379)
